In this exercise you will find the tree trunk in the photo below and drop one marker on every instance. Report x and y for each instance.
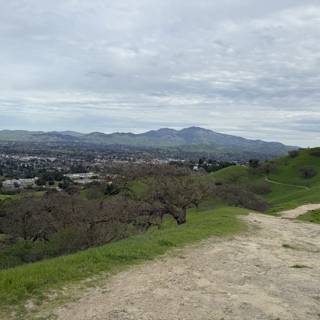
(179, 214)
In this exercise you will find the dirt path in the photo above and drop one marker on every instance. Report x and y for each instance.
(292, 214)
(272, 273)
(286, 184)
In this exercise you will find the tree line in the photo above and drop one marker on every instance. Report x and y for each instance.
(58, 223)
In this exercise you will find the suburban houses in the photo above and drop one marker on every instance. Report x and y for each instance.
(19, 184)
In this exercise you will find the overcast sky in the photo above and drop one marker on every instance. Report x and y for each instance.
(244, 67)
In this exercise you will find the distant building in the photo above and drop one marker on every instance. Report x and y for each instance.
(83, 178)
(19, 183)
(78, 176)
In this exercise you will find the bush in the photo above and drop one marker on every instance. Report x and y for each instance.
(25, 251)
(293, 153)
(260, 187)
(315, 152)
(254, 163)
(240, 197)
(307, 172)
(235, 177)
(65, 241)
(265, 168)
(21, 252)
(93, 193)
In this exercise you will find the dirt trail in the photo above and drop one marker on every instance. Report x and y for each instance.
(286, 184)
(294, 213)
(271, 272)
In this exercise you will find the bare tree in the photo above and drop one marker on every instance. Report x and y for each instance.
(176, 195)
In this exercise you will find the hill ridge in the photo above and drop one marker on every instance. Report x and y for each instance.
(194, 139)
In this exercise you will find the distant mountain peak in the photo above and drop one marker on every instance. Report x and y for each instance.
(166, 130)
(160, 132)
(194, 128)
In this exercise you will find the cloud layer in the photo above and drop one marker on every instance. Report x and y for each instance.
(243, 67)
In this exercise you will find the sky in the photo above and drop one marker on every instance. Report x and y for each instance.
(242, 67)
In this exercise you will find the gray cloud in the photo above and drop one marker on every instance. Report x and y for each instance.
(242, 67)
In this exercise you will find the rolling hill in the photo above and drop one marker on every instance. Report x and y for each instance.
(280, 181)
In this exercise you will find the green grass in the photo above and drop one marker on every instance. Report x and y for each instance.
(231, 173)
(5, 196)
(288, 198)
(16, 196)
(288, 169)
(294, 190)
(311, 216)
(33, 280)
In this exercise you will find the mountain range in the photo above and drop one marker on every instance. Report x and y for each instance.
(193, 139)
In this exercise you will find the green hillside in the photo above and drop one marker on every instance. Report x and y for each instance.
(288, 169)
(282, 182)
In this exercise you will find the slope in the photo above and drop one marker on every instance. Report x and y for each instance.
(280, 181)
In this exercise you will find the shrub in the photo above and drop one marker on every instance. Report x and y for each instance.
(235, 177)
(315, 152)
(25, 251)
(254, 163)
(260, 187)
(265, 168)
(293, 153)
(65, 241)
(307, 172)
(240, 197)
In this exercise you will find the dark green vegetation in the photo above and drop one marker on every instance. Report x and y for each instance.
(58, 223)
(284, 182)
(289, 246)
(18, 284)
(312, 216)
(190, 140)
(4, 197)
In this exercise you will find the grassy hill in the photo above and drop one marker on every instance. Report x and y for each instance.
(288, 169)
(280, 181)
